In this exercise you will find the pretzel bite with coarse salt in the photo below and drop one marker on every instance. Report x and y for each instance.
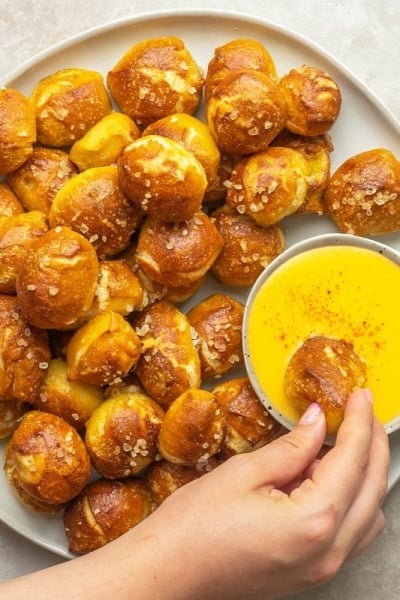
(17, 130)
(67, 104)
(313, 100)
(217, 321)
(155, 78)
(121, 435)
(38, 180)
(17, 232)
(102, 350)
(248, 248)
(363, 194)
(237, 55)
(193, 429)
(249, 424)
(245, 112)
(270, 185)
(93, 204)
(103, 511)
(327, 371)
(169, 362)
(9, 202)
(73, 401)
(178, 254)
(46, 461)
(24, 354)
(162, 178)
(57, 281)
(11, 412)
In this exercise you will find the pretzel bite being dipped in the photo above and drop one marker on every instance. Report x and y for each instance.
(248, 248)
(46, 462)
(195, 136)
(313, 100)
(169, 362)
(24, 354)
(363, 194)
(178, 254)
(11, 412)
(121, 435)
(103, 511)
(239, 54)
(327, 371)
(162, 178)
(17, 232)
(57, 281)
(249, 424)
(94, 205)
(73, 401)
(245, 112)
(104, 143)
(9, 202)
(316, 150)
(103, 349)
(269, 186)
(17, 130)
(38, 180)
(155, 78)
(193, 429)
(217, 322)
(67, 104)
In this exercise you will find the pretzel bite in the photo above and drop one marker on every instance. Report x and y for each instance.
(103, 349)
(17, 233)
(245, 112)
(363, 194)
(163, 478)
(216, 194)
(180, 294)
(327, 371)
(67, 104)
(248, 248)
(162, 178)
(249, 424)
(93, 204)
(11, 412)
(178, 254)
(47, 460)
(155, 78)
(269, 185)
(42, 175)
(217, 322)
(104, 143)
(193, 429)
(313, 100)
(195, 136)
(57, 280)
(24, 354)
(169, 362)
(122, 433)
(316, 150)
(74, 401)
(235, 55)
(9, 202)
(17, 129)
(103, 511)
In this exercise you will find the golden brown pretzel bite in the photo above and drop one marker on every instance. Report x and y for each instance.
(17, 129)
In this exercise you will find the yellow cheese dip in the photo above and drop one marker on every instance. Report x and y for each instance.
(341, 291)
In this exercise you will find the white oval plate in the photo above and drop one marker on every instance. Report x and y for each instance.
(364, 123)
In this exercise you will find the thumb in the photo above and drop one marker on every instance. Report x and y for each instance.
(286, 458)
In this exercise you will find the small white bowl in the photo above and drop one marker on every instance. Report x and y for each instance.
(320, 241)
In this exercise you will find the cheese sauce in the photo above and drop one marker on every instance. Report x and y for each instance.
(344, 292)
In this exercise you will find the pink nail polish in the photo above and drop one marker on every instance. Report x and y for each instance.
(368, 395)
(311, 414)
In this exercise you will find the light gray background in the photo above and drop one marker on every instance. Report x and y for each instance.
(364, 35)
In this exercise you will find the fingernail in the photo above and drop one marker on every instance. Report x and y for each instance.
(368, 395)
(311, 414)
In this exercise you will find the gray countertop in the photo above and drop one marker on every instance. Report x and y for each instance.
(362, 34)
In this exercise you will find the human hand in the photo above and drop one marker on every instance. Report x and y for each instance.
(276, 520)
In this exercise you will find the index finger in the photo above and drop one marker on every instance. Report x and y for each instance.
(340, 473)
